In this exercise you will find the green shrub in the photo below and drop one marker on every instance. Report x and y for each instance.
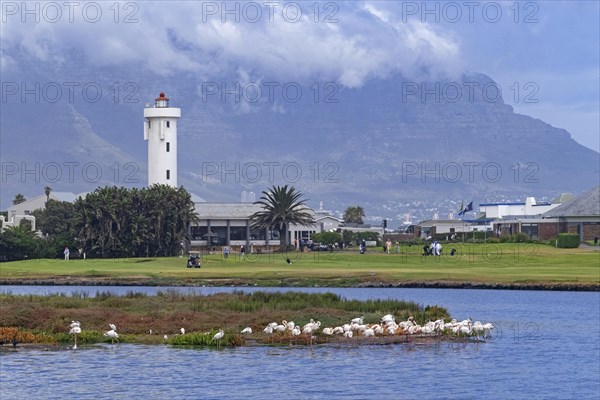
(568, 240)
(326, 238)
(520, 237)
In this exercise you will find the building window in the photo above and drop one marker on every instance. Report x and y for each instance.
(198, 232)
(168, 124)
(149, 123)
(168, 147)
(237, 233)
(168, 174)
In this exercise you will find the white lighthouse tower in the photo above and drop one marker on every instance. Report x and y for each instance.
(160, 130)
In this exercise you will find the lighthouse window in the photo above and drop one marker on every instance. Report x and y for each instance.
(168, 147)
(168, 174)
(168, 124)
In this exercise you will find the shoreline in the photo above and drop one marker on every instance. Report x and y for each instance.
(70, 281)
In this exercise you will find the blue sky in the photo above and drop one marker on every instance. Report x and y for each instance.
(548, 50)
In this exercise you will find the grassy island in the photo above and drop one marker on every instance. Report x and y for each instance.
(147, 319)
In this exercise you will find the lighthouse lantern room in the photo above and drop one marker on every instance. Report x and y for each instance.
(160, 130)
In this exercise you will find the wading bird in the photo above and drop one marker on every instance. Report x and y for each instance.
(112, 335)
(218, 336)
(75, 330)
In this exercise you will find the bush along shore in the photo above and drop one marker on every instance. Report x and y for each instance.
(232, 319)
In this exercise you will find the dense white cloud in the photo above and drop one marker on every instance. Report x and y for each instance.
(358, 42)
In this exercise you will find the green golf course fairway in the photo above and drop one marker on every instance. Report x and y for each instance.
(498, 265)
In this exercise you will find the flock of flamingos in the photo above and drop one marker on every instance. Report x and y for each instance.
(356, 327)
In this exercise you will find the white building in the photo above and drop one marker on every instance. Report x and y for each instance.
(228, 224)
(23, 210)
(160, 130)
(529, 208)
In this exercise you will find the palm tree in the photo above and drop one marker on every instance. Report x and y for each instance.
(19, 198)
(282, 206)
(47, 190)
(354, 214)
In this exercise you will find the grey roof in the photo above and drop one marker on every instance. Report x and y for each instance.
(229, 210)
(196, 198)
(226, 210)
(319, 217)
(64, 196)
(563, 198)
(584, 205)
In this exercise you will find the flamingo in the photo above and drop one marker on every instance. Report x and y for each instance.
(75, 330)
(296, 331)
(112, 335)
(280, 328)
(338, 330)
(358, 320)
(182, 331)
(165, 338)
(218, 336)
(246, 330)
(348, 334)
(378, 329)
(368, 332)
(487, 329)
(387, 318)
(113, 327)
(269, 331)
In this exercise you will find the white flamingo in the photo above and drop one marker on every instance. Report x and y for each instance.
(487, 329)
(269, 331)
(296, 331)
(218, 336)
(246, 330)
(378, 329)
(338, 330)
(387, 318)
(280, 328)
(113, 327)
(112, 335)
(369, 332)
(182, 330)
(75, 330)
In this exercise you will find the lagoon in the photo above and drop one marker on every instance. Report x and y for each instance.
(546, 345)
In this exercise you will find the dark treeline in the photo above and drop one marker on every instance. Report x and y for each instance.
(109, 222)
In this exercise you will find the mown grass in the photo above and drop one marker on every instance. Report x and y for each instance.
(479, 263)
(46, 319)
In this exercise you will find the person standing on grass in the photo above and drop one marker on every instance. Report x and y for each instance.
(243, 252)
(388, 245)
(226, 252)
(66, 253)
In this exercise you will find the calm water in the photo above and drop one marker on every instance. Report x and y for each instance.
(547, 345)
